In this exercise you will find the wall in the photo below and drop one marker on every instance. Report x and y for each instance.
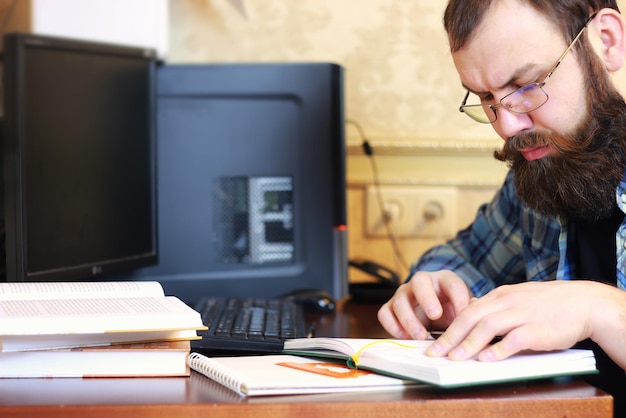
(140, 23)
(400, 84)
(401, 88)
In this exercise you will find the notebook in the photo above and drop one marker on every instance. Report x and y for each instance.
(276, 374)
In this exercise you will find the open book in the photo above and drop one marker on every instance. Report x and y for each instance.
(37, 316)
(406, 359)
(278, 374)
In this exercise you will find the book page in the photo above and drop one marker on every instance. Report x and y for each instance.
(345, 346)
(410, 361)
(59, 316)
(78, 290)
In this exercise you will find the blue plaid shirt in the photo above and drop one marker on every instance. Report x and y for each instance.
(510, 243)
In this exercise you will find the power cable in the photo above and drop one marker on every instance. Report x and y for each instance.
(369, 152)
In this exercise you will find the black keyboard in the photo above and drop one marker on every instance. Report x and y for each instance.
(248, 325)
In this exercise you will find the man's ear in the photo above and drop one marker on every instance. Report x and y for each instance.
(608, 37)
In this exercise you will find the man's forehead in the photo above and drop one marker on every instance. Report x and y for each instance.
(512, 40)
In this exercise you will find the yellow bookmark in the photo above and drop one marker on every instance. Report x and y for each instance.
(353, 362)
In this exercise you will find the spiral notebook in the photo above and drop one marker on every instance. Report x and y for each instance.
(279, 374)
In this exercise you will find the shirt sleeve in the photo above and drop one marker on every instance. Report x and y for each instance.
(506, 243)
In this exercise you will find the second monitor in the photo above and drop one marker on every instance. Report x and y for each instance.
(251, 175)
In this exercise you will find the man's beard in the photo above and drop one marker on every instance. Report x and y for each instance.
(579, 182)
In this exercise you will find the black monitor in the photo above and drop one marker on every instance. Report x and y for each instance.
(79, 159)
(251, 174)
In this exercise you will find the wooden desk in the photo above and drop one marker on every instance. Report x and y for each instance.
(198, 396)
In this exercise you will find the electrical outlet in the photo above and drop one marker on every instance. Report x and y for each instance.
(411, 211)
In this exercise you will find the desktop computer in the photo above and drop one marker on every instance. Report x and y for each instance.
(251, 180)
(213, 179)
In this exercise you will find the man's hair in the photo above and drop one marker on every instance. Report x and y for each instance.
(463, 16)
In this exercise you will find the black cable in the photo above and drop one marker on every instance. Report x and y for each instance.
(369, 151)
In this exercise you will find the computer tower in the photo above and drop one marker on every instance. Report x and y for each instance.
(251, 180)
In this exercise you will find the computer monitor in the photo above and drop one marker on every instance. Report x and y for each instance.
(79, 159)
(251, 180)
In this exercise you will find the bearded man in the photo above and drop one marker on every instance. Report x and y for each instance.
(544, 264)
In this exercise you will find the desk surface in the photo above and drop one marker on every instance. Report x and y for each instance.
(198, 396)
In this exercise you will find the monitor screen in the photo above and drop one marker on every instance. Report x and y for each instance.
(251, 174)
(79, 158)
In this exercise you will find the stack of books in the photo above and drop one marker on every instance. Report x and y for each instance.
(94, 329)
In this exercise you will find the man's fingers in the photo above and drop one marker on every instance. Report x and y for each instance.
(522, 338)
(389, 321)
(472, 330)
(399, 317)
(411, 318)
(427, 298)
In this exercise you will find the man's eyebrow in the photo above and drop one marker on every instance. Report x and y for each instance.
(520, 72)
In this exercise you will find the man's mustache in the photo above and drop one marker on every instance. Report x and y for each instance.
(527, 140)
(523, 140)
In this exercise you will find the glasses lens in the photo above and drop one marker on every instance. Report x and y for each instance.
(525, 99)
(480, 113)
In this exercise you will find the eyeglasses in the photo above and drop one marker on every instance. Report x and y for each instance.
(523, 100)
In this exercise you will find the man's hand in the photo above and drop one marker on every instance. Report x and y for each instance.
(538, 316)
(430, 300)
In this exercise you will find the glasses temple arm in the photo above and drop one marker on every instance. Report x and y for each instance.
(571, 45)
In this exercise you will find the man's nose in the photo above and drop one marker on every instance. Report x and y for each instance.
(510, 123)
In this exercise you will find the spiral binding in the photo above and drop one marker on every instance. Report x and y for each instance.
(216, 371)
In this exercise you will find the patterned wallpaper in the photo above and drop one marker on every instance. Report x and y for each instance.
(401, 85)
